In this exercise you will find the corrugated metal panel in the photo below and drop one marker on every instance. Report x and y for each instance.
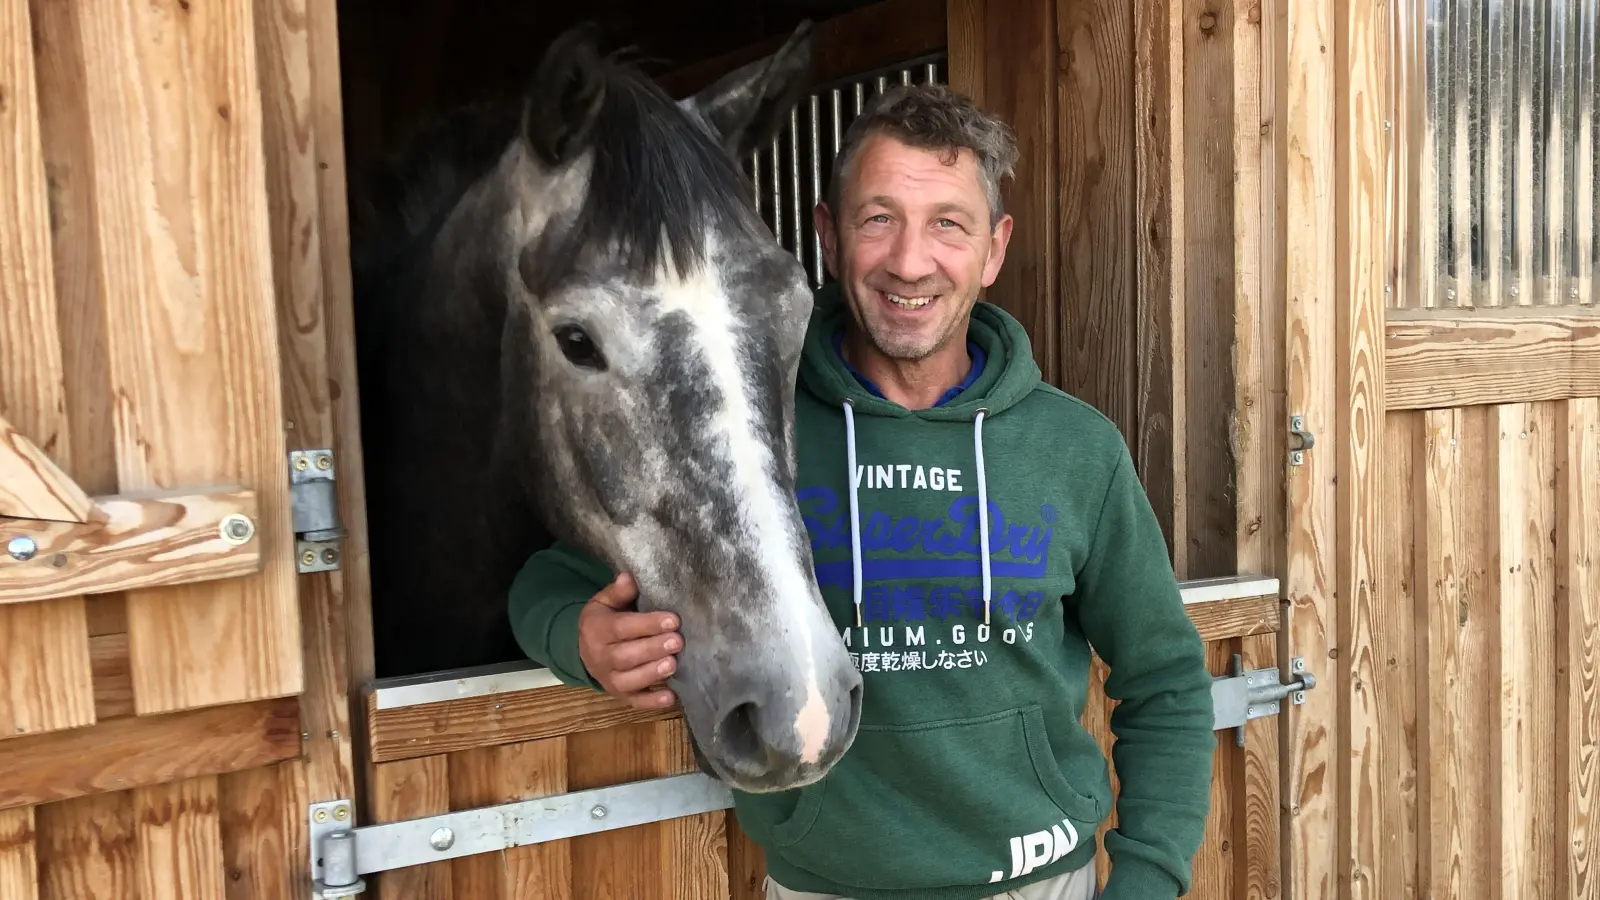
(795, 170)
(1502, 98)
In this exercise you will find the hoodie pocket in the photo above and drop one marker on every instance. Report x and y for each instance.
(957, 801)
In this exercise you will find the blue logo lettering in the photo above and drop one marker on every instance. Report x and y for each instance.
(945, 547)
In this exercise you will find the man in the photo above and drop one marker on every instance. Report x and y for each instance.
(971, 776)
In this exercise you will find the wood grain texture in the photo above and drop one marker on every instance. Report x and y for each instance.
(178, 833)
(1221, 619)
(132, 543)
(1437, 362)
(34, 487)
(18, 855)
(1363, 102)
(87, 849)
(1311, 769)
(192, 335)
(450, 725)
(137, 751)
(44, 662)
(1577, 603)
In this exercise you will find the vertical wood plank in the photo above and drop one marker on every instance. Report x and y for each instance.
(19, 864)
(1257, 875)
(262, 815)
(1158, 237)
(192, 335)
(1312, 744)
(1210, 283)
(627, 862)
(179, 838)
(87, 849)
(45, 673)
(1577, 603)
(1395, 653)
(696, 845)
(507, 774)
(1360, 179)
(407, 790)
(747, 864)
(1215, 864)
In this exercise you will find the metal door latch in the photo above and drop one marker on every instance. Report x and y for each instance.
(314, 509)
(1300, 440)
(1242, 696)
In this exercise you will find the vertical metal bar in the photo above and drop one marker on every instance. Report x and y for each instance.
(777, 189)
(1525, 180)
(755, 178)
(1586, 159)
(905, 77)
(861, 97)
(814, 108)
(795, 228)
(930, 73)
(1561, 205)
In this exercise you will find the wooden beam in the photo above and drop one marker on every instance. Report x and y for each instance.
(1432, 363)
(1220, 620)
(444, 715)
(882, 34)
(33, 487)
(133, 542)
(148, 750)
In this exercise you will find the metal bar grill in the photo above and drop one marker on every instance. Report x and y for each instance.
(1500, 101)
(795, 171)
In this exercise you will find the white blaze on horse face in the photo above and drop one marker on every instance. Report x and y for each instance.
(791, 609)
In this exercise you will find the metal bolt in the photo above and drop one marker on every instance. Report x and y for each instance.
(1299, 696)
(342, 813)
(22, 549)
(237, 529)
(1250, 680)
(1514, 291)
(301, 464)
(309, 557)
(322, 816)
(1249, 711)
(599, 812)
(330, 556)
(442, 839)
(324, 462)
(1298, 665)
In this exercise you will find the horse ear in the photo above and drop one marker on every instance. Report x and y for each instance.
(565, 96)
(749, 105)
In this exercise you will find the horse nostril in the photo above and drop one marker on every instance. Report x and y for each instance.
(737, 732)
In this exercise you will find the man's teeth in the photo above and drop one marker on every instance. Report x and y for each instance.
(909, 302)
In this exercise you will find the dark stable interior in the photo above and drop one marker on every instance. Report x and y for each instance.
(402, 60)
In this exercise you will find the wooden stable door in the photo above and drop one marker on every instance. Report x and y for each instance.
(164, 721)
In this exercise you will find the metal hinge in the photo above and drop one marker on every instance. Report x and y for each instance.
(1300, 440)
(1242, 696)
(314, 508)
(341, 853)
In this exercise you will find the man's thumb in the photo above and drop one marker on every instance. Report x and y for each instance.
(619, 594)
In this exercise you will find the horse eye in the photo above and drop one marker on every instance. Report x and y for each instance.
(579, 349)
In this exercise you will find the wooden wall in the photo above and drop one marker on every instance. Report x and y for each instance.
(1443, 532)
(172, 297)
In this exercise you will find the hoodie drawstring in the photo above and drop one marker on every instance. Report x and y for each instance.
(855, 510)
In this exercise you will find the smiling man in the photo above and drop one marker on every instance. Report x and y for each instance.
(975, 532)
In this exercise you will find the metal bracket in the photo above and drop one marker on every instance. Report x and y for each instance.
(333, 852)
(1241, 696)
(341, 853)
(1300, 440)
(314, 507)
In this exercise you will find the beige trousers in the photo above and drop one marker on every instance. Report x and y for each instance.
(1079, 885)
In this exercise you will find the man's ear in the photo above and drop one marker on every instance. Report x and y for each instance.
(748, 106)
(568, 88)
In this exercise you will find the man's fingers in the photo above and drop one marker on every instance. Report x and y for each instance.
(627, 626)
(656, 698)
(619, 594)
(631, 681)
(647, 651)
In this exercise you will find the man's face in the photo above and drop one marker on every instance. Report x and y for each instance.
(911, 244)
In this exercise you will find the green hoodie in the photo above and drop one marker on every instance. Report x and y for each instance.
(971, 773)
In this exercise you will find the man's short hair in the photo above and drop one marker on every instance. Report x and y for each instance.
(933, 117)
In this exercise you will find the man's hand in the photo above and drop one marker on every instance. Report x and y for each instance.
(628, 651)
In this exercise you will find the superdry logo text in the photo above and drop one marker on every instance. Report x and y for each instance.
(1040, 848)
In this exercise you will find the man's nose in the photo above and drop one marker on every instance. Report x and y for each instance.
(910, 258)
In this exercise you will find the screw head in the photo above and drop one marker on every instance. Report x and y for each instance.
(309, 557)
(237, 529)
(342, 813)
(324, 462)
(330, 556)
(442, 839)
(1299, 696)
(599, 812)
(322, 816)
(301, 464)
(22, 548)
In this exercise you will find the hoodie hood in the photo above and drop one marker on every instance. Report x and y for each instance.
(1009, 375)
